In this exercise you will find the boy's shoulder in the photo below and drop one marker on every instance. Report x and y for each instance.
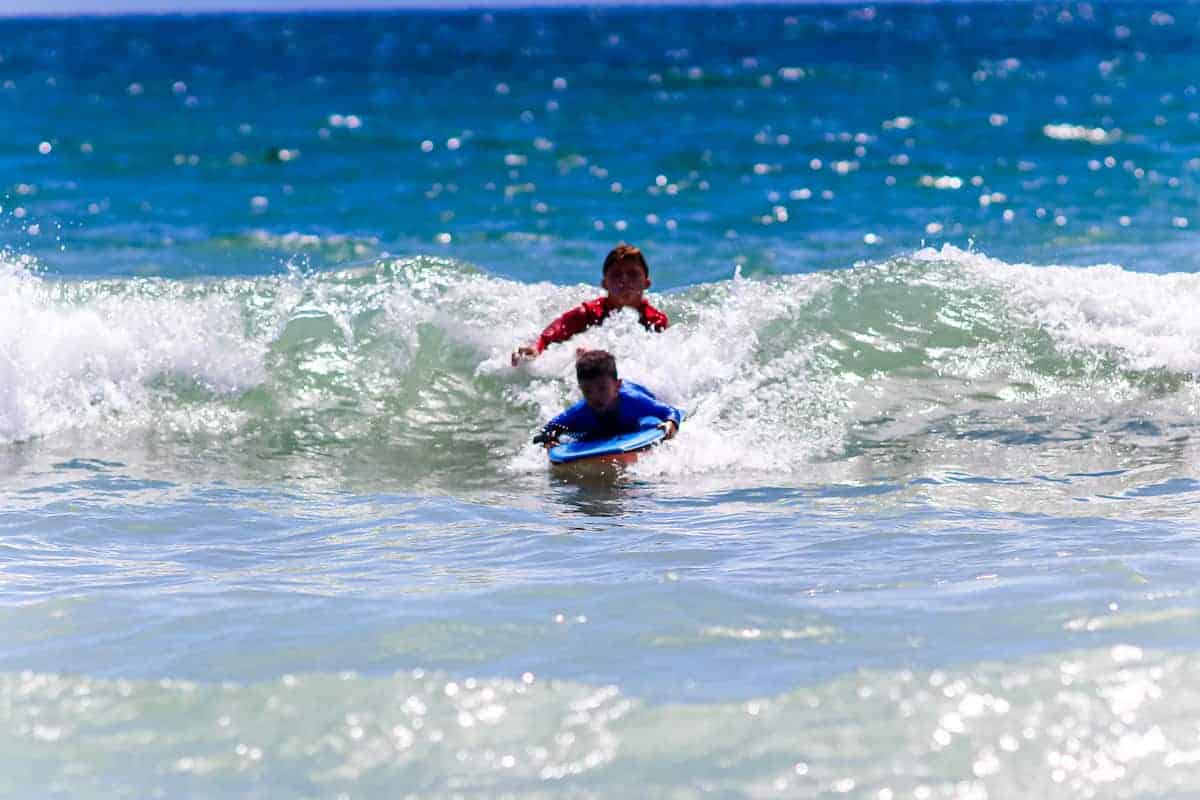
(652, 317)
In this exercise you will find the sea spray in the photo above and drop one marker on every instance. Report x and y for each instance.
(775, 373)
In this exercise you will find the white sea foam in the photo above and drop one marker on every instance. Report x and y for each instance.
(83, 355)
(1146, 321)
(775, 375)
(711, 362)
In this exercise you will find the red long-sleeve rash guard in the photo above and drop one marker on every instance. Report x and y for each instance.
(594, 312)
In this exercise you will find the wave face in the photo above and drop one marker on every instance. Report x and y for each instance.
(941, 356)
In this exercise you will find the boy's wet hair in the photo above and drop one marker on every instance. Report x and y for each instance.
(592, 364)
(625, 251)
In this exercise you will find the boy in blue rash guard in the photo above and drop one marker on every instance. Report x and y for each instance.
(609, 406)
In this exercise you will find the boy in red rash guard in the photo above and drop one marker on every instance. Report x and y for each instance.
(625, 277)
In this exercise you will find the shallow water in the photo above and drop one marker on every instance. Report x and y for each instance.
(271, 525)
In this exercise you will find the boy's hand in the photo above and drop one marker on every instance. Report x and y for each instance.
(547, 439)
(522, 355)
(670, 427)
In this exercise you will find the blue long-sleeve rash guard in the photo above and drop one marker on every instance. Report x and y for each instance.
(635, 402)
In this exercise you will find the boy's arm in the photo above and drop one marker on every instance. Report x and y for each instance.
(670, 423)
(548, 435)
(571, 420)
(652, 407)
(654, 319)
(564, 327)
(570, 323)
(672, 416)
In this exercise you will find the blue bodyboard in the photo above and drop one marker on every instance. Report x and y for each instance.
(613, 446)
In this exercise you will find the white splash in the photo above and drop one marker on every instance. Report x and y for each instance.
(78, 355)
(1146, 321)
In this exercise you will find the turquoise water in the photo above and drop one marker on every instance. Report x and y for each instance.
(271, 525)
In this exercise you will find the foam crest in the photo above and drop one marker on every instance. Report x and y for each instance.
(411, 357)
(86, 355)
(1145, 321)
(721, 361)
(777, 374)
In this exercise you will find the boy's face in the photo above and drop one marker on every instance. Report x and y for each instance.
(625, 282)
(600, 393)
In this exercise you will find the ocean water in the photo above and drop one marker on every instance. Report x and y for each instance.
(270, 522)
